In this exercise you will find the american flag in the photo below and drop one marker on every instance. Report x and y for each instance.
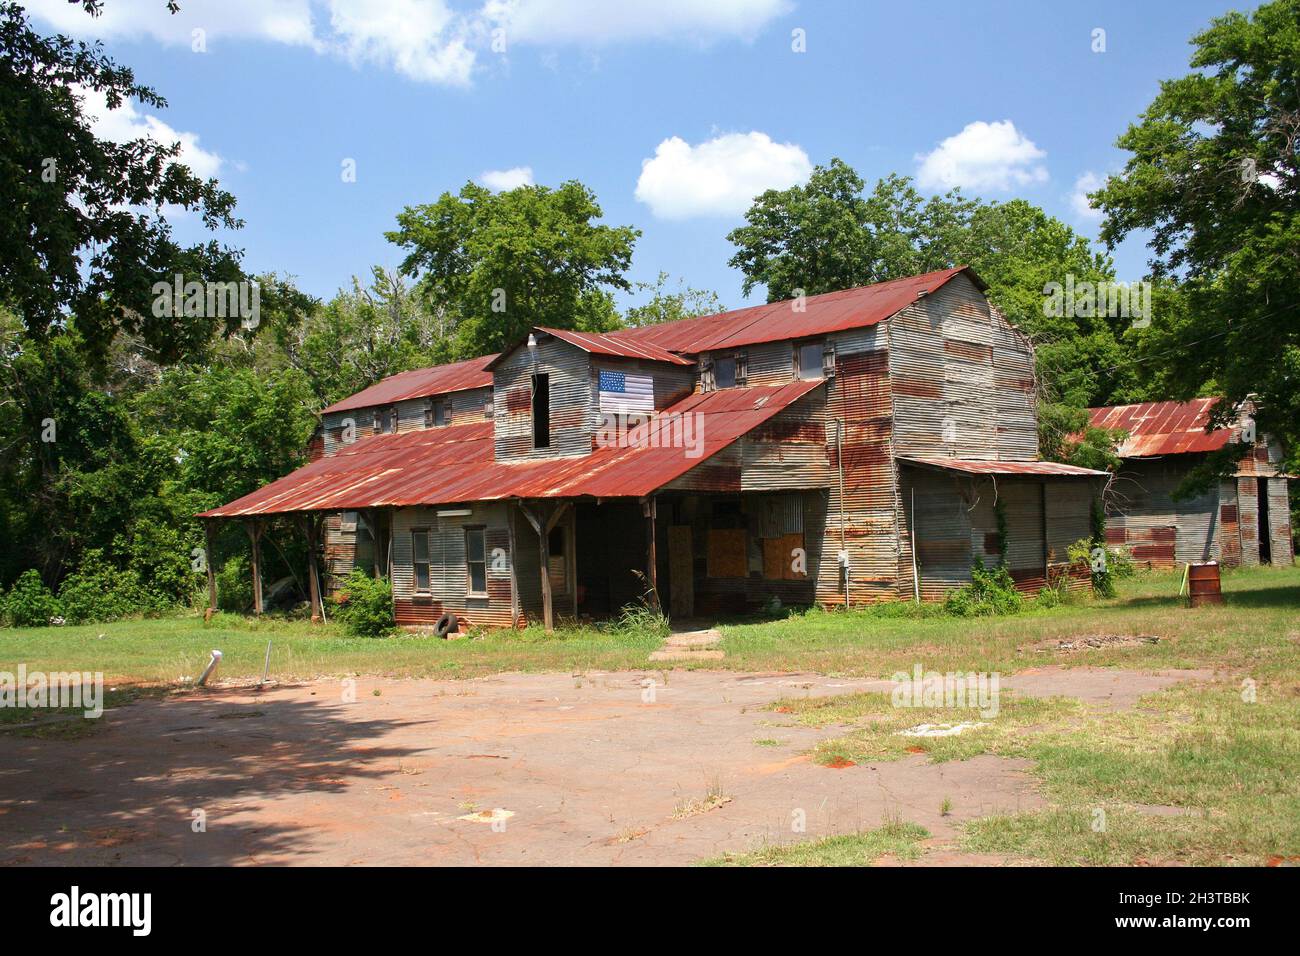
(626, 394)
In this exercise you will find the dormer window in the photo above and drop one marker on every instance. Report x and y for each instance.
(724, 372)
(385, 420)
(435, 414)
(810, 356)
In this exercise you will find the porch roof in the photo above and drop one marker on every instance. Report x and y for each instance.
(981, 466)
(456, 464)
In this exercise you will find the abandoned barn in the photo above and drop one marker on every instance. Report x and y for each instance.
(845, 448)
(1243, 519)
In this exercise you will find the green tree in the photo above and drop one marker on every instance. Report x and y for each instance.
(665, 305)
(84, 228)
(1214, 175)
(501, 263)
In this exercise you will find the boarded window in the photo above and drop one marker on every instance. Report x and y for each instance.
(727, 555)
(489, 409)
(779, 556)
(476, 560)
(420, 559)
(435, 414)
(541, 410)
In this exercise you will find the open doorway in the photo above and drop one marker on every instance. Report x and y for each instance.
(1265, 551)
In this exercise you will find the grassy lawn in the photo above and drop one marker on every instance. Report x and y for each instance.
(1193, 774)
(1199, 773)
(896, 839)
(1258, 630)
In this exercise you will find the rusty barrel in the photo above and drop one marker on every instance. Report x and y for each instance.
(1203, 583)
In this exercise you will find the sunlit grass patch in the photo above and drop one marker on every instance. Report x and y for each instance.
(897, 839)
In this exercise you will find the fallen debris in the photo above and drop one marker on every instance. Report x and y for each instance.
(937, 730)
(1093, 642)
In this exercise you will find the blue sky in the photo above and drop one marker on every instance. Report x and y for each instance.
(1007, 98)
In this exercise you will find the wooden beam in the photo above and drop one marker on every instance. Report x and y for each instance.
(544, 520)
(311, 527)
(209, 536)
(254, 528)
(652, 559)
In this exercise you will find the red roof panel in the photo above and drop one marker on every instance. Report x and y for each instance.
(420, 382)
(456, 464)
(774, 321)
(1162, 428)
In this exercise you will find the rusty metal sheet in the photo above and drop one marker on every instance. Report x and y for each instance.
(600, 343)
(777, 321)
(975, 466)
(456, 463)
(1162, 428)
(420, 383)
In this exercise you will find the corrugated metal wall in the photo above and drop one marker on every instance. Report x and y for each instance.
(962, 379)
(1279, 522)
(1143, 516)
(448, 582)
(859, 397)
(572, 406)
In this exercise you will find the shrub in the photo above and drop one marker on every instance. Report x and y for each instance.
(98, 591)
(235, 585)
(364, 605)
(29, 602)
(991, 591)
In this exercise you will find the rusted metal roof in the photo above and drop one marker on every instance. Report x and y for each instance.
(1162, 428)
(600, 343)
(420, 382)
(456, 464)
(979, 466)
(775, 321)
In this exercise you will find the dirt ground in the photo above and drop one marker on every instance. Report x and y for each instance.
(554, 769)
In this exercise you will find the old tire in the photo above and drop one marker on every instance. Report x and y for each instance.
(447, 625)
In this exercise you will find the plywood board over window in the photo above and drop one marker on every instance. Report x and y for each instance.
(727, 555)
(779, 555)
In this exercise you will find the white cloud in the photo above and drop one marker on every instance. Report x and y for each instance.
(283, 21)
(504, 180)
(610, 21)
(421, 39)
(983, 156)
(425, 40)
(719, 177)
(127, 123)
(1088, 182)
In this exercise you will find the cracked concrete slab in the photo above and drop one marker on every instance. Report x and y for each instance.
(531, 769)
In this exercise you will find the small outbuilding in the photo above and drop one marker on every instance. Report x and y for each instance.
(1244, 519)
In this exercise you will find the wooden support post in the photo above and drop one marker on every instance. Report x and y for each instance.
(543, 521)
(311, 528)
(652, 559)
(254, 528)
(210, 534)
